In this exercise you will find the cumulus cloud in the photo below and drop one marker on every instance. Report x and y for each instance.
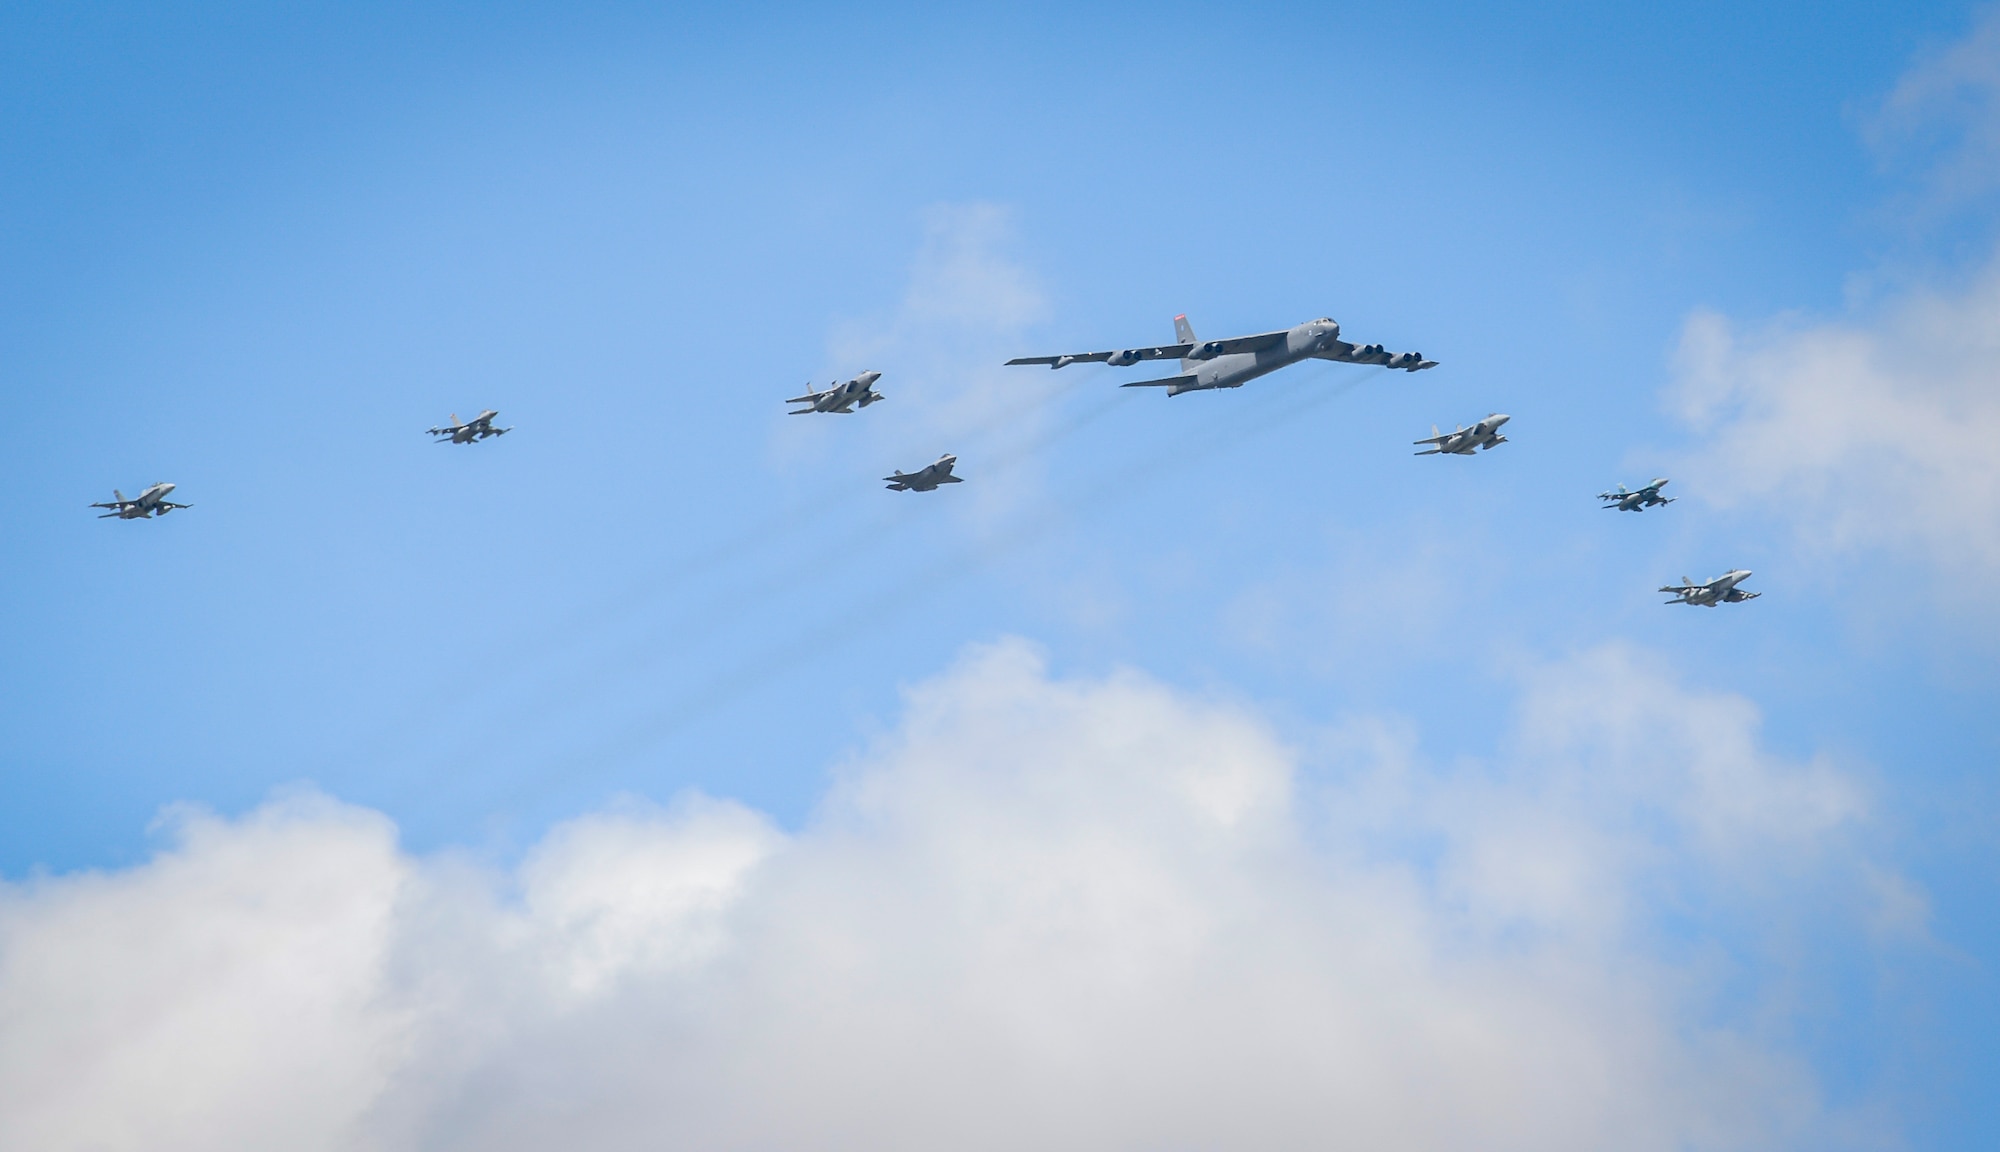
(1042, 912)
(1866, 434)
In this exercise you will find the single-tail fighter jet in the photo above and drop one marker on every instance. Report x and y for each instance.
(152, 502)
(475, 429)
(840, 398)
(927, 478)
(1464, 441)
(1636, 501)
(1721, 590)
(1238, 360)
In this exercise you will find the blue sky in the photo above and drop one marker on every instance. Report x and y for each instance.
(256, 252)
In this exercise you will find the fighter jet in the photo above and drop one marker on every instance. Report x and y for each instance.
(839, 398)
(925, 479)
(1463, 441)
(1638, 501)
(152, 502)
(1721, 590)
(1238, 360)
(475, 429)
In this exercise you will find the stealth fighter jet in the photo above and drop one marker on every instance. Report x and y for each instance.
(1721, 590)
(925, 479)
(840, 398)
(473, 430)
(152, 502)
(1238, 360)
(1636, 501)
(1464, 441)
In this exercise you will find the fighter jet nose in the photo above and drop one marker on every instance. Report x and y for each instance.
(868, 378)
(1498, 418)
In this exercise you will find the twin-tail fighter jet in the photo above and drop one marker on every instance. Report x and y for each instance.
(152, 502)
(927, 478)
(1238, 360)
(476, 429)
(1721, 590)
(840, 398)
(1638, 500)
(1465, 441)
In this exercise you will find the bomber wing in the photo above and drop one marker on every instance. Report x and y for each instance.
(1199, 350)
(1345, 353)
(1121, 357)
(1237, 345)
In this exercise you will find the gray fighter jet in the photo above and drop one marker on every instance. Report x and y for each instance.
(476, 429)
(1464, 441)
(1721, 590)
(839, 398)
(1636, 501)
(152, 502)
(1238, 360)
(925, 479)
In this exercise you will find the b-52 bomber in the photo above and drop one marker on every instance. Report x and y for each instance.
(1236, 361)
(476, 429)
(1636, 501)
(1464, 441)
(840, 398)
(152, 502)
(927, 478)
(1721, 590)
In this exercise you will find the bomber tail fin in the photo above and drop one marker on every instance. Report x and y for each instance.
(1184, 334)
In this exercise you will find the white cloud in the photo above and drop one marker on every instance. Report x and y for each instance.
(1865, 435)
(1042, 913)
(1944, 115)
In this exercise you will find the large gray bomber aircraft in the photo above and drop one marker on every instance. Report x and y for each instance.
(152, 502)
(840, 398)
(1465, 441)
(1638, 500)
(1236, 361)
(927, 478)
(473, 430)
(1721, 590)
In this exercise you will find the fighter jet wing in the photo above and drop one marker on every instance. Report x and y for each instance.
(1159, 352)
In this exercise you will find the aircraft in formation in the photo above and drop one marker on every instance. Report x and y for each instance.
(1237, 360)
(840, 398)
(1465, 441)
(476, 429)
(152, 502)
(927, 478)
(1721, 590)
(1204, 365)
(1637, 500)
